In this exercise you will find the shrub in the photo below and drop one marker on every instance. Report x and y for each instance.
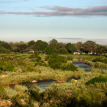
(97, 79)
(70, 58)
(38, 58)
(55, 61)
(30, 68)
(70, 67)
(35, 94)
(100, 59)
(6, 66)
(41, 63)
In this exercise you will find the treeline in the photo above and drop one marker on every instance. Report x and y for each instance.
(53, 46)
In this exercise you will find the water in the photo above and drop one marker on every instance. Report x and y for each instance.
(83, 66)
(71, 79)
(45, 83)
(41, 84)
(86, 67)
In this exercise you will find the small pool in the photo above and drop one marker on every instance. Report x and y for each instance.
(86, 67)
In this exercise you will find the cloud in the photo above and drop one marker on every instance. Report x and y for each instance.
(10, 1)
(75, 40)
(65, 11)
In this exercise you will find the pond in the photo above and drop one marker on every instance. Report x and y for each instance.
(86, 67)
(45, 83)
(83, 66)
(41, 84)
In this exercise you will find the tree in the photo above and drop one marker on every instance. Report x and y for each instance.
(21, 47)
(79, 46)
(53, 44)
(5, 45)
(49, 50)
(89, 46)
(31, 44)
(53, 41)
(70, 47)
(14, 47)
(41, 46)
(101, 50)
(58, 48)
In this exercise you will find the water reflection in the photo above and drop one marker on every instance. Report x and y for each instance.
(83, 66)
(86, 67)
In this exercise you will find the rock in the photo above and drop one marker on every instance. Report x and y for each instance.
(34, 81)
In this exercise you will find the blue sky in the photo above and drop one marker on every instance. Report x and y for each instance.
(25, 20)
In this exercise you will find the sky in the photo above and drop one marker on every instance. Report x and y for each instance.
(64, 20)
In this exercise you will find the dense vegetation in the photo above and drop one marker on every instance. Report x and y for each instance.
(52, 47)
(52, 61)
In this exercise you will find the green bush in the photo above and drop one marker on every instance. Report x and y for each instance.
(41, 63)
(38, 58)
(35, 94)
(97, 79)
(49, 50)
(6, 66)
(55, 61)
(30, 68)
(70, 58)
(100, 59)
(4, 50)
(70, 67)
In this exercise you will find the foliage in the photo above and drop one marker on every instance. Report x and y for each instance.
(101, 50)
(69, 66)
(79, 46)
(85, 88)
(31, 44)
(97, 79)
(56, 61)
(21, 47)
(4, 50)
(35, 94)
(100, 59)
(89, 46)
(5, 45)
(58, 48)
(49, 50)
(96, 64)
(6, 66)
(70, 47)
(52, 47)
(41, 46)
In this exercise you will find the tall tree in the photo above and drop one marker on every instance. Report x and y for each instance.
(22, 47)
(89, 46)
(31, 44)
(78, 46)
(101, 49)
(70, 47)
(41, 46)
(57, 47)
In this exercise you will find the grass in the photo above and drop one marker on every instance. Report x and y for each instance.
(90, 88)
